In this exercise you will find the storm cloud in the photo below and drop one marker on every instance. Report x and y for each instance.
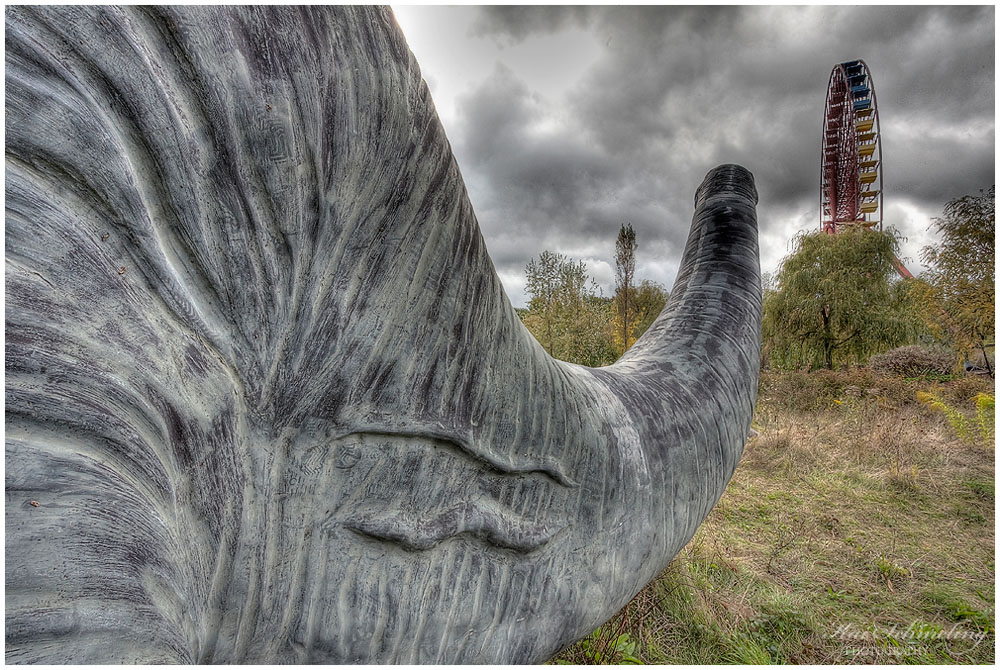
(570, 121)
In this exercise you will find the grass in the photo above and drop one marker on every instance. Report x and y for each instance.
(858, 528)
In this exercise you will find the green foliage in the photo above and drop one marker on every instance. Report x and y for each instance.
(835, 302)
(745, 650)
(552, 281)
(889, 570)
(650, 299)
(566, 313)
(777, 629)
(979, 428)
(985, 415)
(956, 419)
(570, 318)
(600, 649)
(981, 488)
(956, 608)
(960, 279)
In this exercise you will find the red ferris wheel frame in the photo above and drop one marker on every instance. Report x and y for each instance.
(851, 166)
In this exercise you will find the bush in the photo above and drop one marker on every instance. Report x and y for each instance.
(965, 389)
(980, 428)
(913, 361)
(986, 416)
(825, 389)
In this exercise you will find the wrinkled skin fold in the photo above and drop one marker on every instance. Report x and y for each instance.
(266, 398)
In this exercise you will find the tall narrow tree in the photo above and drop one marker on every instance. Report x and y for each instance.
(624, 279)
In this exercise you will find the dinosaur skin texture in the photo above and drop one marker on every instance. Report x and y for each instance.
(266, 399)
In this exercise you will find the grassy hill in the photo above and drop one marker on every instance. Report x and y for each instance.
(858, 528)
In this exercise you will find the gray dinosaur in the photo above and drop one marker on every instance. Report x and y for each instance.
(266, 398)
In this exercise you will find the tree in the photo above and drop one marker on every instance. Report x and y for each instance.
(837, 301)
(961, 273)
(648, 300)
(543, 283)
(625, 248)
(566, 312)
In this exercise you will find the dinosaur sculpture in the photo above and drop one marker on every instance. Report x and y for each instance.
(266, 398)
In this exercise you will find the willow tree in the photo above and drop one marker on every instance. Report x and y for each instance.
(837, 301)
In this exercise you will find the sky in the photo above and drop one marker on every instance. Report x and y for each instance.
(569, 121)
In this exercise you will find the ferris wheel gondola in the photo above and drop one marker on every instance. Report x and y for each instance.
(851, 188)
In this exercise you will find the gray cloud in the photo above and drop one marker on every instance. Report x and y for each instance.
(675, 91)
(515, 23)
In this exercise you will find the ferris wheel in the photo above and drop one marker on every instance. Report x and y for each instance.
(851, 188)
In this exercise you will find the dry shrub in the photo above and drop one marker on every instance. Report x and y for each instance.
(963, 391)
(914, 361)
(826, 389)
(791, 390)
(802, 391)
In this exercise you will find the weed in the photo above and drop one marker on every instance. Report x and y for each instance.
(962, 391)
(970, 516)
(788, 534)
(601, 649)
(888, 569)
(956, 608)
(956, 419)
(982, 488)
(985, 415)
(839, 596)
(905, 480)
(744, 650)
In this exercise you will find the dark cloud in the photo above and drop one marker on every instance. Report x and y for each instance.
(535, 184)
(677, 90)
(515, 23)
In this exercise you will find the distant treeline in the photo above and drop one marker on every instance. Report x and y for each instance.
(835, 302)
(570, 317)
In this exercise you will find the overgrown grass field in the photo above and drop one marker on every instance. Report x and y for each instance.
(858, 528)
